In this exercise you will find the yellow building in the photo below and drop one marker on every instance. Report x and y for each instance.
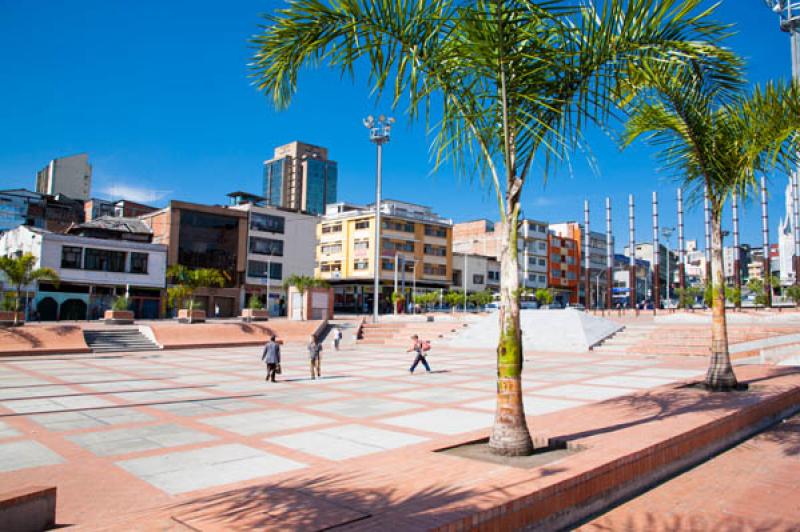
(416, 252)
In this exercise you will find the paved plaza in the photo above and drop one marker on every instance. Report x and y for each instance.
(145, 429)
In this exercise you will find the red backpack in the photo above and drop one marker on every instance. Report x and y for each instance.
(426, 345)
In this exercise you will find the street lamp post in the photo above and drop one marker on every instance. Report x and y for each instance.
(789, 13)
(379, 132)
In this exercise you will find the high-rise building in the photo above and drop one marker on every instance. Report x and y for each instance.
(70, 176)
(301, 178)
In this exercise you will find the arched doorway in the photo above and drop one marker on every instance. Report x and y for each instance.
(47, 309)
(73, 309)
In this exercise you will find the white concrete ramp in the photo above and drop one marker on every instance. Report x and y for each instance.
(566, 330)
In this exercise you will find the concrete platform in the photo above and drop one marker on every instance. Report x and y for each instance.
(195, 438)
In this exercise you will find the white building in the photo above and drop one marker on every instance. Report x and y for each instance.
(280, 243)
(70, 176)
(92, 271)
(482, 273)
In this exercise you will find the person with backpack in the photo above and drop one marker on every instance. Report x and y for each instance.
(314, 350)
(337, 337)
(420, 347)
(272, 357)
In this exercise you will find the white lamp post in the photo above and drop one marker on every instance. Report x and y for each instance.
(379, 131)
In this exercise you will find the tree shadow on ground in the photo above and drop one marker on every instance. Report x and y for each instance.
(648, 407)
(786, 435)
(653, 522)
(17, 334)
(321, 503)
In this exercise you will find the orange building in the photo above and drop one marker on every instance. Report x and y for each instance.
(564, 259)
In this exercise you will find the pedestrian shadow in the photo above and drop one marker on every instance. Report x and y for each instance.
(326, 378)
(324, 502)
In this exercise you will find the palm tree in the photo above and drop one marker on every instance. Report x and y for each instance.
(187, 282)
(21, 271)
(500, 84)
(715, 136)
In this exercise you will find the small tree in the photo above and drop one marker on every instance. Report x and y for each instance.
(453, 298)
(481, 299)
(733, 295)
(188, 281)
(544, 296)
(254, 303)
(687, 297)
(397, 297)
(793, 293)
(120, 303)
(21, 271)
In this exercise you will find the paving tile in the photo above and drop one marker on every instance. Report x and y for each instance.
(181, 472)
(363, 407)
(36, 391)
(440, 396)
(7, 432)
(129, 440)
(31, 406)
(667, 373)
(346, 441)
(205, 407)
(250, 423)
(89, 419)
(25, 454)
(557, 376)
(154, 396)
(442, 421)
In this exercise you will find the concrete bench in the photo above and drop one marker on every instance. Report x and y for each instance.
(30, 509)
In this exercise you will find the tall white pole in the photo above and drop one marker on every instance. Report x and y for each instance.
(765, 241)
(681, 244)
(609, 256)
(707, 219)
(632, 257)
(587, 286)
(656, 255)
(376, 283)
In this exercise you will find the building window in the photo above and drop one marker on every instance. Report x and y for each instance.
(266, 246)
(334, 228)
(477, 279)
(331, 249)
(259, 269)
(138, 262)
(207, 240)
(570, 259)
(335, 266)
(104, 260)
(267, 223)
(493, 276)
(394, 245)
(387, 264)
(542, 262)
(434, 230)
(437, 251)
(571, 276)
(71, 257)
(396, 225)
(556, 273)
(435, 269)
(361, 245)
(542, 279)
(362, 224)
(555, 259)
(361, 265)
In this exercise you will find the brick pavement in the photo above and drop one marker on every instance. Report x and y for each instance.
(122, 435)
(753, 486)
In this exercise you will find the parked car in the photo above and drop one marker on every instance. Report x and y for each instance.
(528, 305)
(577, 306)
(492, 307)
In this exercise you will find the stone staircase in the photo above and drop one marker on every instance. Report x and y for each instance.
(118, 340)
(629, 337)
(399, 333)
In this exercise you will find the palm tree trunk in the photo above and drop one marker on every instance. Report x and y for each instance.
(510, 434)
(720, 374)
(16, 304)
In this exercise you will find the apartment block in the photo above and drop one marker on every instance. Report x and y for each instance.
(475, 273)
(70, 176)
(483, 237)
(95, 208)
(598, 261)
(564, 268)
(415, 250)
(280, 242)
(301, 178)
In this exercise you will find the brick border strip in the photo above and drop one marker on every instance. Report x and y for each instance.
(571, 501)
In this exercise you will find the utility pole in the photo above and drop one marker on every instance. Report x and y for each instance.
(587, 287)
(632, 254)
(681, 244)
(379, 133)
(656, 256)
(737, 264)
(609, 257)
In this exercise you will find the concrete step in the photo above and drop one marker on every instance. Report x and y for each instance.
(101, 341)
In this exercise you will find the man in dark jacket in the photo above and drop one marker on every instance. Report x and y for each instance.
(314, 349)
(272, 357)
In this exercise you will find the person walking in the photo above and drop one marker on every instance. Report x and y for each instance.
(314, 357)
(337, 337)
(272, 357)
(420, 348)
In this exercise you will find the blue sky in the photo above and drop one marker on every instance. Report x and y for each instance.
(158, 94)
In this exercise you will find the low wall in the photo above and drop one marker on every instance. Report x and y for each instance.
(173, 335)
(42, 340)
(28, 509)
